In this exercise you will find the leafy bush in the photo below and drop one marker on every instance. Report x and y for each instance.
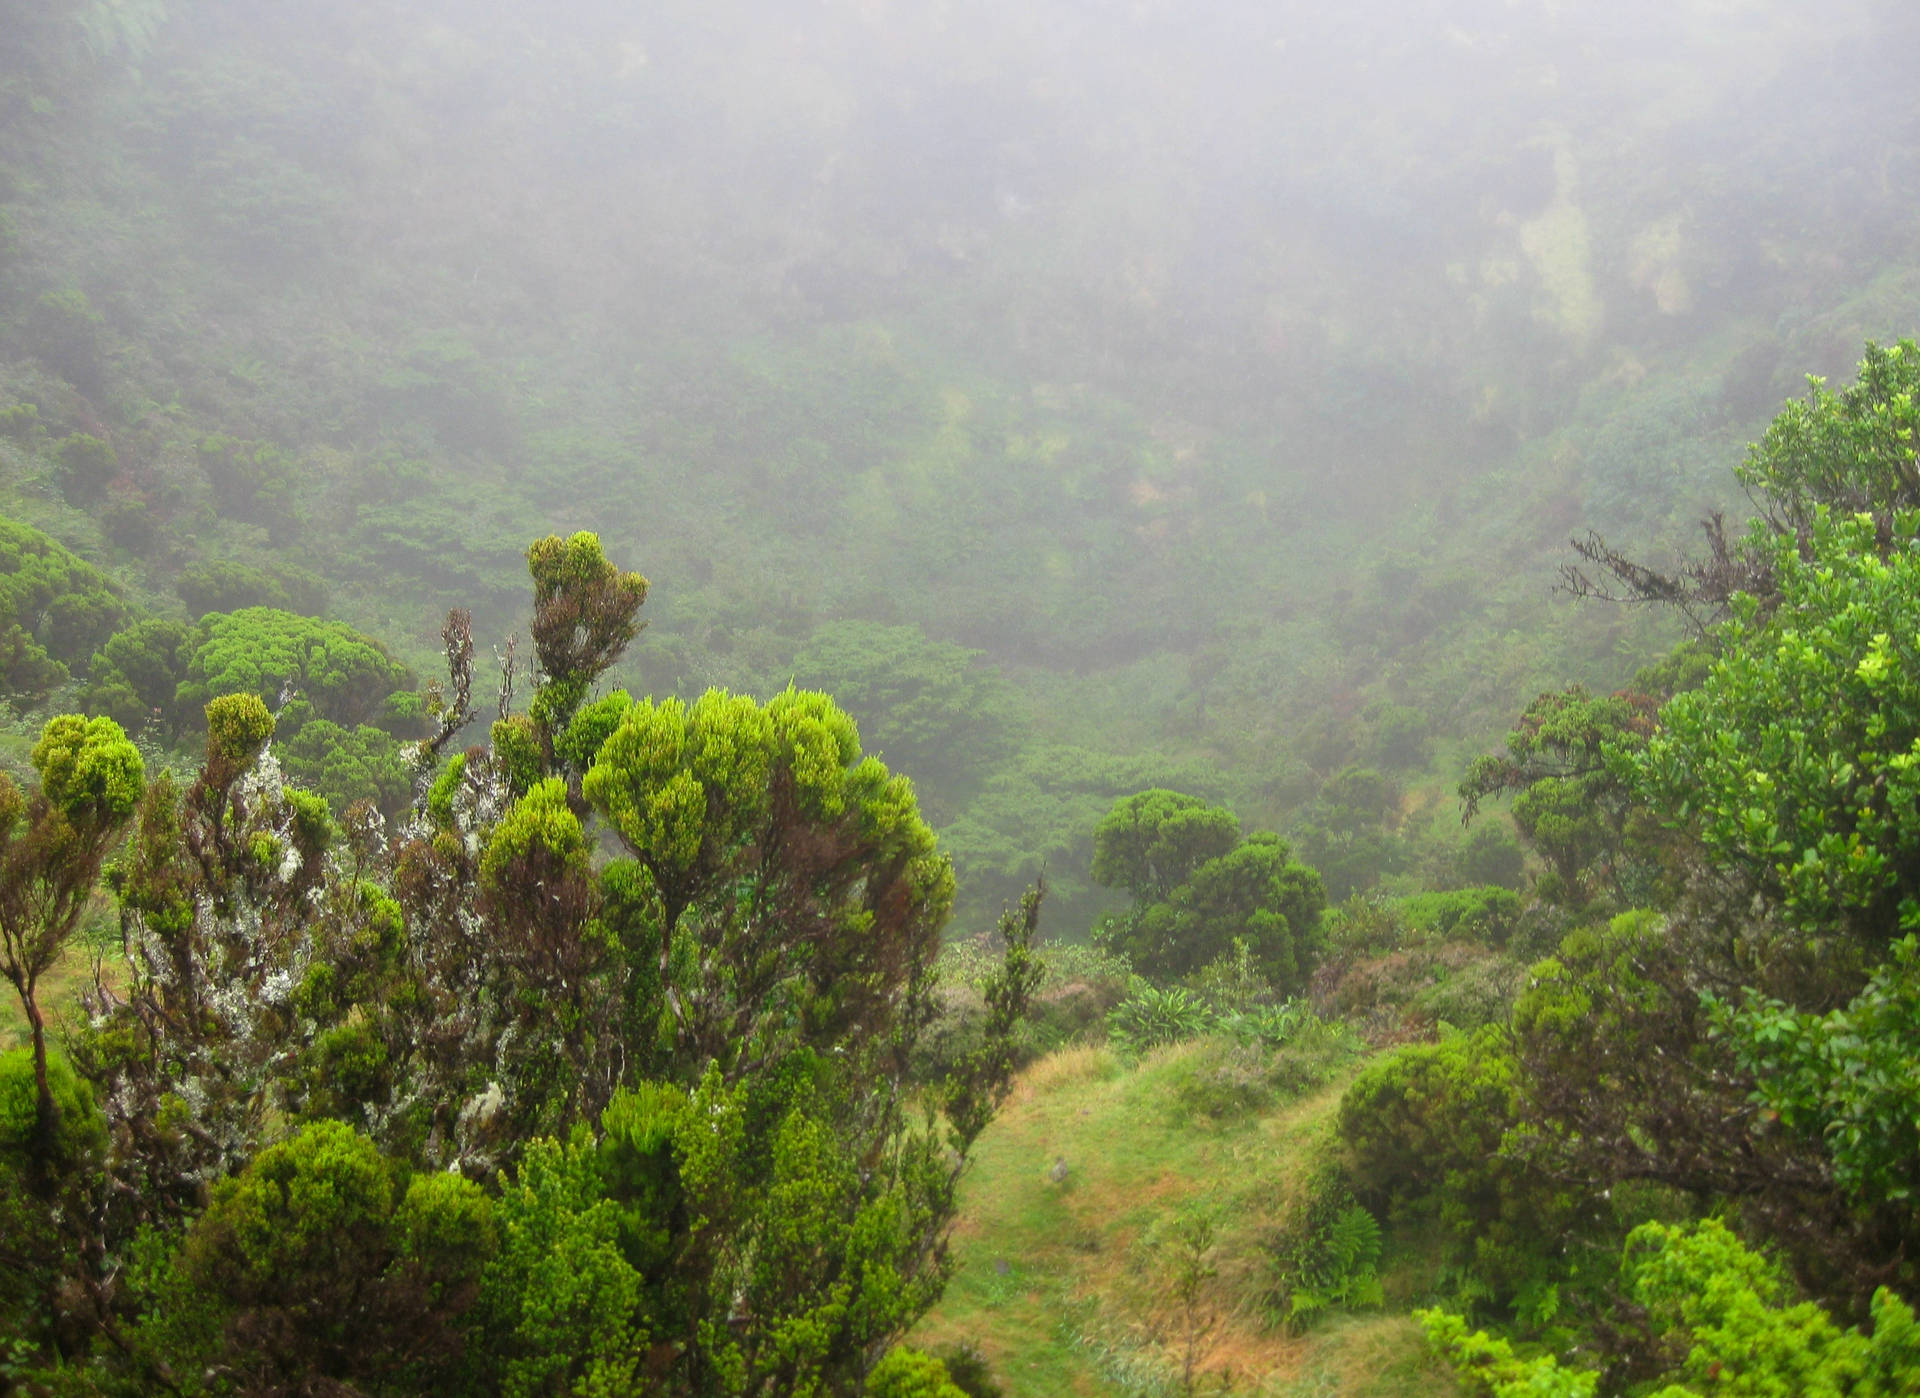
(911, 1373)
(135, 677)
(347, 676)
(1715, 1319)
(1327, 1257)
(347, 765)
(1844, 1079)
(1198, 888)
(1488, 1367)
(1423, 1128)
(1486, 915)
(1795, 755)
(1151, 1016)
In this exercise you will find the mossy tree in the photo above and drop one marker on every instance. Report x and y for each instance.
(685, 1070)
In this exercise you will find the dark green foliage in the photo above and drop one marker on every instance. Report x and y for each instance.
(1572, 802)
(225, 585)
(346, 765)
(1423, 1129)
(968, 1371)
(1347, 832)
(55, 610)
(262, 651)
(1198, 888)
(136, 676)
(1149, 843)
(322, 1261)
(85, 465)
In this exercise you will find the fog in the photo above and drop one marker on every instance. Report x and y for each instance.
(1228, 375)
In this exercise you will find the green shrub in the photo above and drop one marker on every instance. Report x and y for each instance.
(1485, 915)
(910, 1373)
(346, 676)
(1327, 1256)
(55, 610)
(1423, 1129)
(1151, 1016)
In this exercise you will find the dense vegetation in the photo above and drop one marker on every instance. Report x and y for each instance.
(1049, 479)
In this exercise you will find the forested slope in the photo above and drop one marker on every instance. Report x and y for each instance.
(1237, 436)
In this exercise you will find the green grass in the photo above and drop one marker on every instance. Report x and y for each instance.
(1061, 1277)
(60, 988)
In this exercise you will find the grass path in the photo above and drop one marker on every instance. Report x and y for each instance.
(1060, 1277)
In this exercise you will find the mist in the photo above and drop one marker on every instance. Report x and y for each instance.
(1223, 376)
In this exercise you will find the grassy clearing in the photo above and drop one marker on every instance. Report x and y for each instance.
(1063, 1255)
(60, 988)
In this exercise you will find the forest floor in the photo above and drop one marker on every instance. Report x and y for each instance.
(1066, 1246)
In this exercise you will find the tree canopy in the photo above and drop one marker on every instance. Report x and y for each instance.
(1199, 888)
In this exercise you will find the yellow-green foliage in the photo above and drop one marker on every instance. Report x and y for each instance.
(910, 1373)
(238, 726)
(517, 751)
(258, 650)
(88, 769)
(82, 1130)
(1726, 1309)
(539, 825)
(667, 767)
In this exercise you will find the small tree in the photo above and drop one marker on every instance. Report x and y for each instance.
(52, 844)
(1198, 887)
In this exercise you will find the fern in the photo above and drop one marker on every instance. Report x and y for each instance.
(1329, 1259)
(1353, 1243)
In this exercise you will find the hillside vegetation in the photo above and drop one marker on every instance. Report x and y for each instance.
(1269, 744)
